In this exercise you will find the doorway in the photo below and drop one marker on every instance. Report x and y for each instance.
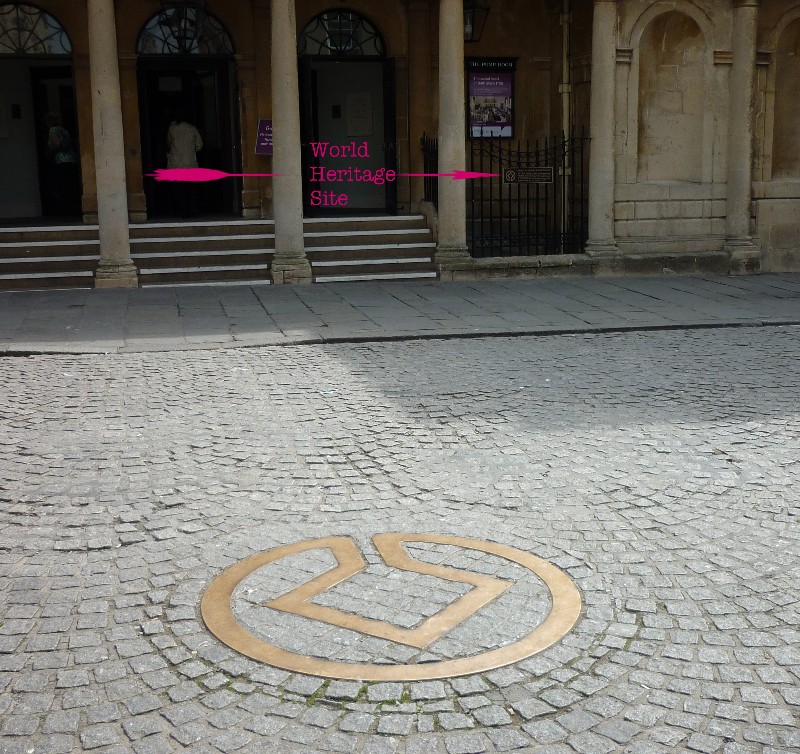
(29, 186)
(54, 93)
(204, 90)
(37, 80)
(348, 104)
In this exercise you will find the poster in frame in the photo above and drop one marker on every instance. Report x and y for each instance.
(264, 136)
(490, 97)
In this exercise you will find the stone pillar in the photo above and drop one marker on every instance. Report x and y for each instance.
(601, 129)
(289, 265)
(740, 136)
(419, 83)
(452, 246)
(116, 269)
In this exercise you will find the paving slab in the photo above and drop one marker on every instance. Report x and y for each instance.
(208, 317)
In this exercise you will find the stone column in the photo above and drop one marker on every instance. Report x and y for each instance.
(419, 83)
(289, 265)
(601, 130)
(740, 134)
(452, 246)
(116, 269)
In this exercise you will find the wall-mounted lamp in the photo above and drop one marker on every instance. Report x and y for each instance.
(475, 14)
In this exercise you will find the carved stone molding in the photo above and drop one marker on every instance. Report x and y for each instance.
(723, 57)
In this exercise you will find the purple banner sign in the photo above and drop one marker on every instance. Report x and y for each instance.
(264, 137)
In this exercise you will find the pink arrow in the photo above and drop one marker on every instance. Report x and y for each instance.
(199, 174)
(456, 175)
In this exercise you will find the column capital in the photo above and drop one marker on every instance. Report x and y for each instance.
(745, 3)
(624, 55)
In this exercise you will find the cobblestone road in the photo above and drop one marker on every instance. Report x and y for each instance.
(661, 471)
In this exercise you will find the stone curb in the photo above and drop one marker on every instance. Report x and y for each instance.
(66, 350)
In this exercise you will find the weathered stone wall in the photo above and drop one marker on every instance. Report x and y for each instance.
(672, 127)
(671, 109)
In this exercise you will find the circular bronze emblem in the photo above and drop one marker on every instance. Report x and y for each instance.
(475, 591)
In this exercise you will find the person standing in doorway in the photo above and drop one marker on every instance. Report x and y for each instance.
(183, 144)
(62, 170)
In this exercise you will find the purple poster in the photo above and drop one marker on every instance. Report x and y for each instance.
(491, 101)
(264, 137)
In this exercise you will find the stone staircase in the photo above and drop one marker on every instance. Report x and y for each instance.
(203, 252)
(213, 252)
(379, 248)
(48, 256)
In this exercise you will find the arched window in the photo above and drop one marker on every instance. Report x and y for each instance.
(341, 33)
(184, 30)
(26, 30)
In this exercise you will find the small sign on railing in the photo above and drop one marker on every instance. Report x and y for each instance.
(528, 175)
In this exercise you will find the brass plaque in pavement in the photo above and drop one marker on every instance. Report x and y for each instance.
(218, 614)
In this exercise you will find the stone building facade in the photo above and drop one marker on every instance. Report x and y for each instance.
(691, 108)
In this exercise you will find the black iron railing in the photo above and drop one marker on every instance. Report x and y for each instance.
(528, 212)
(543, 211)
(430, 161)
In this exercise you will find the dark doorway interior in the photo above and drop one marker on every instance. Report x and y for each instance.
(204, 90)
(53, 91)
(347, 102)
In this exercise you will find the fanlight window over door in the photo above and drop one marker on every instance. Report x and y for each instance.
(184, 30)
(341, 33)
(27, 30)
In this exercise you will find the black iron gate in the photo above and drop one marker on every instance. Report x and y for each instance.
(536, 204)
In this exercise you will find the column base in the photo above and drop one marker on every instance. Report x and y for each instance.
(453, 262)
(606, 248)
(116, 276)
(290, 270)
(445, 255)
(745, 256)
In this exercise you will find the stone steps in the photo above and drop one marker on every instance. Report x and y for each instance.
(225, 251)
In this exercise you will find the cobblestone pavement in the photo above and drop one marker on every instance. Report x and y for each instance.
(660, 470)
